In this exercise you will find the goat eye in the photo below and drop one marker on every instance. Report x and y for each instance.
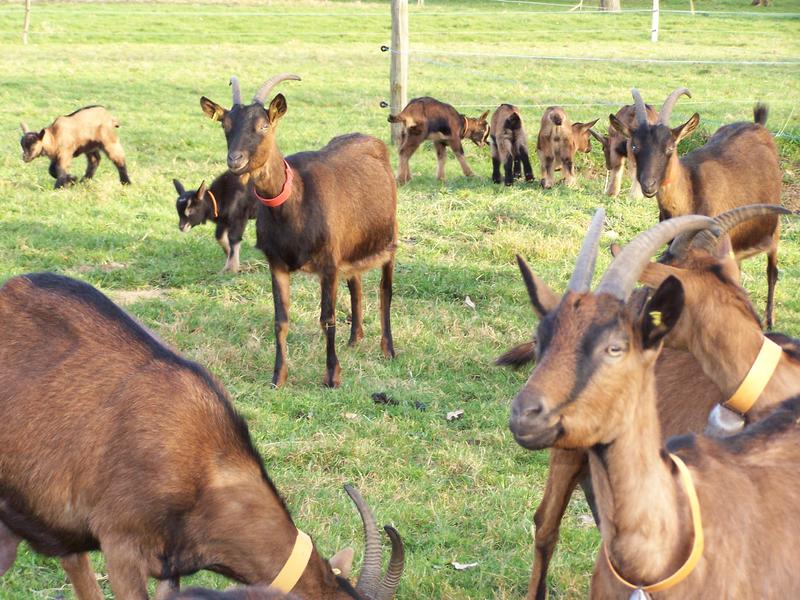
(614, 350)
(634, 148)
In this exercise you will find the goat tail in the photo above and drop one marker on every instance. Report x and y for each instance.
(556, 118)
(513, 122)
(760, 113)
(114, 122)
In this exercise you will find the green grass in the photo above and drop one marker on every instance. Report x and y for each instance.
(460, 490)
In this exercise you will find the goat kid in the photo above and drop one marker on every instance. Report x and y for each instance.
(227, 203)
(509, 144)
(86, 131)
(115, 442)
(558, 141)
(738, 165)
(329, 212)
(593, 388)
(429, 119)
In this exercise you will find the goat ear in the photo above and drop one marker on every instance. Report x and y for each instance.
(619, 126)
(201, 191)
(655, 274)
(41, 134)
(212, 110)
(615, 249)
(583, 127)
(343, 562)
(542, 298)
(682, 131)
(277, 108)
(178, 187)
(518, 356)
(662, 312)
(483, 116)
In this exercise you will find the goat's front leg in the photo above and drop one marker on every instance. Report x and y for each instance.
(356, 310)
(495, 163)
(235, 241)
(167, 587)
(565, 470)
(280, 298)
(458, 150)
(615, 181)
(63, 178)
(327, 320)
(79, 569)
(517, 167)
(126, 570)
(636, 188)
(569, 171)
(9, 541)
(546, 163)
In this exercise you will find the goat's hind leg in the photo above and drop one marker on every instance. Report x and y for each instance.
(387, 274)
(79, 569)
(441, 158)
(92, 160)
(356, 310)
(327, 320)
(458, 150)
(772, 279)
(126, 570)
(117, 156)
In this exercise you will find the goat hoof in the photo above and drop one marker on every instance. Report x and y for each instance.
(387, 347)
(333, 378)
(495, 180)
(279, 378)
(509, 183)
(356, 337)
(529, 178)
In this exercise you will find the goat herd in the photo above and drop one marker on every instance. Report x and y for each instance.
(113, 441)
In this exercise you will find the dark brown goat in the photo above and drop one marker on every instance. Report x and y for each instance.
(558, 141)
(593, 389)
(509, 144)
(113, 441)
(248, 593)
(429, 119)
(329, 212)
(737, 166)
(616, 151)
(227, 203)
(86, 131)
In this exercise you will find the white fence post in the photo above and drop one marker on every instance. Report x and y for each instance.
(398, 74)
(654, 26)
(26, 23)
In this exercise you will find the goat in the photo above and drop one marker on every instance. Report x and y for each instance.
(509, 144)
(327, 212)
(615, 150)
(429, 119)
(227, 203)
(86, 131)
(558, 141)
(112, 440)
(738, 165)
(247, 593)
(593, 389)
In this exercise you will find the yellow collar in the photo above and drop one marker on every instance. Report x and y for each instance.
(697, 546)
(757, 378)
(295, 565)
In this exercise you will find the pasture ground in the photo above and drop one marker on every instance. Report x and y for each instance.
(457, 491)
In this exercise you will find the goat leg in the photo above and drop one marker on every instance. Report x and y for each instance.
(280, 298)
(8, 548)
(126, 570)
(166, 587)
(526, 164)
(508, 167)
(327, 320)
(79, 569)
(387, 274)
(772, 278)
(441, 157)
(92, 160)
(63, 178)
(458, 150)
(569, 171)
(517, 168)
(356, 310)
(117, 156)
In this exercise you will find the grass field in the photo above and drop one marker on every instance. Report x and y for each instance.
(457, 491)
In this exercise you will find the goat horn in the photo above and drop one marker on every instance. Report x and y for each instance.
(237, 93)
(669, 104)
(584, 267)
(371, 569)
(599, 137)
(706, 240)
(621, 277)
(639, 107)
(394, 571)
(24, 127)
(261, 94)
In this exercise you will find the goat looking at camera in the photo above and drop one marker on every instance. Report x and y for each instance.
(558, 141)
(509, 144)
(330, 212)
(86, 131)
(227, 203)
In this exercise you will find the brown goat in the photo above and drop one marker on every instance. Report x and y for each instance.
(737, 166)
(616, 151)
(559, 139)
(86, 131)
(248, 593)
(113, 441)
(329, 212)
(509, 144)
(429, 119)
(594, 389)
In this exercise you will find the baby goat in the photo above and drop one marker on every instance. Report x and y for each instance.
(85, 131)
(330, 212)
(227, 203)
(113, 441)
(559, 139)
(738, 165)
(429, 119)
(509, 144)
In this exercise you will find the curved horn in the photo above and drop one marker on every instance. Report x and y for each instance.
(24, 126)
(367, 584)
(261, 94)
(237, 93)
(584, 267)
(639, 107)
(680, 244)
(395, 569)
(706, 240)
(622, 275)
(669, 104)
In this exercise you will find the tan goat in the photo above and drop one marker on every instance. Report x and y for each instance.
(559, 139)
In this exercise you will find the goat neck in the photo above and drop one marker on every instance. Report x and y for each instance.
(270, 177)
(675, 191)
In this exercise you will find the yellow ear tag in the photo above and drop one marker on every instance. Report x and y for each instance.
(217, 117)
(655, 318)
(336, 571)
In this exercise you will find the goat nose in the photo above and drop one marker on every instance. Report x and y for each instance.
(236, 160)
(525, 410)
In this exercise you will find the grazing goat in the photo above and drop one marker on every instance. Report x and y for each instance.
(559, 139)
(246, 593)
(86, 131)
(615, 151)
(593, 389)
(429, 119)
(227, 203)
(327, 212)
(509, 144)
(113, 441)
(738, 165)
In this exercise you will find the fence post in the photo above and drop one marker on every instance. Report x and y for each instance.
(654, 26)
(609, 5)
(398, 74)
(26, 23)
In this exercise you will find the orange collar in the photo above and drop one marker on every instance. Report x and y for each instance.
(757, 377)
(697, 546)
(466, 126)
(286, 190)
(295, 565)
(214, 203)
